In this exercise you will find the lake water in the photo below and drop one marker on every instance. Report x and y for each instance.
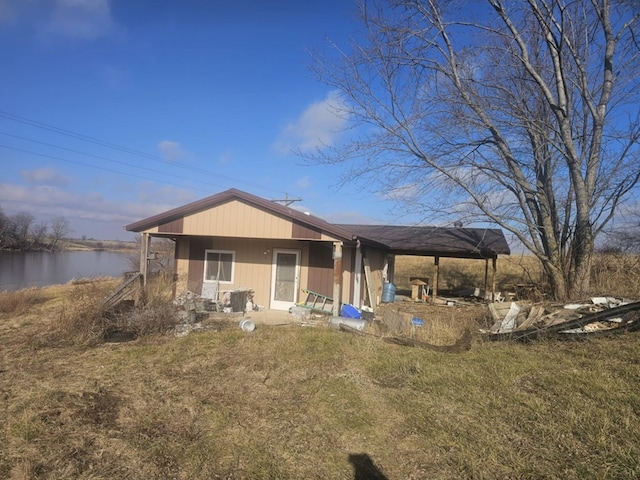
(38, 269)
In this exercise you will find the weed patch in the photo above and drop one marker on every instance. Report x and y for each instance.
(292, 402)
(19, 302)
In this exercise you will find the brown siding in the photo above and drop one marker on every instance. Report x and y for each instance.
(299, 230)
(196, 263)
(171, 227)
(321, 268)
(253, 263)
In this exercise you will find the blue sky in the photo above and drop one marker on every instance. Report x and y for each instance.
(112, 111)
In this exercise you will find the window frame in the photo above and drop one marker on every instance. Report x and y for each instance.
(220, 253)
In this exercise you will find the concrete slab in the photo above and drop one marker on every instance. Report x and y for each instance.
(271, 317)
(282, 317)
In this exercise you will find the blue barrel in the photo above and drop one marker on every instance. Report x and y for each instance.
(388, 293)
(349, 311)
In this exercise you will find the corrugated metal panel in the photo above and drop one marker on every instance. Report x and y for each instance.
(196, 263)
(303, 231)
(436, 241)
(237, 219)
(321, 268)
(230, 195)
(253, 261)
(182, 264)
(171, 227)
(347, 267)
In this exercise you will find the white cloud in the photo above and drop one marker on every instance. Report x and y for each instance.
(91, 213)
(225, 157)
(149, 193)
(45, 175)
(318, 126)
(303, 182)
(171, 151)
(83, 19)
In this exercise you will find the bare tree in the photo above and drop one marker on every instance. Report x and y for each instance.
(21, 228)
(5, 231)
(520, 113)
(38, 232)
(60, 228)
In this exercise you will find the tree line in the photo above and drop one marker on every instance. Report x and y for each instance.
(21, 232)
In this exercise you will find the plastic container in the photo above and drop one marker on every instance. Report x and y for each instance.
(388, 293)
(349, 311)
(350, 322)
(247, 325)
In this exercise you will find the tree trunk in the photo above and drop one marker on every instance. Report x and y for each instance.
(557, 280)
(581, 260)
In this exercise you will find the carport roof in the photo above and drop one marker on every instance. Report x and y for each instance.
(436, 241)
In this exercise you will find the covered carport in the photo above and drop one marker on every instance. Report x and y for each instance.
(441, 242)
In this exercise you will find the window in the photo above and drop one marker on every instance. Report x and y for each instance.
(218, 266)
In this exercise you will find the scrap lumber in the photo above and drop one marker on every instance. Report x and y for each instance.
(562, 324)
(126, 288)
(368, 280)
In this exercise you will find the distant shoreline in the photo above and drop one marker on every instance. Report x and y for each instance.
(74, 245)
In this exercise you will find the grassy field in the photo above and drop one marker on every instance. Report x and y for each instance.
(612, 274)
(293, 402)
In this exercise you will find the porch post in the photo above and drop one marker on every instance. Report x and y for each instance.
(337, 277)
(357, 278)
(145, 240)
(436, 269)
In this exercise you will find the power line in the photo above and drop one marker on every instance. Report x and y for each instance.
(99, 157)
(75, 162)
(104, 143)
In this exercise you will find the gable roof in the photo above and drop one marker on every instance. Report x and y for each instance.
(400, 240)
(436, 241)
(233, 194)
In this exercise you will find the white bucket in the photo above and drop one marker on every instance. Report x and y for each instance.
(247, 325)
(356, 323)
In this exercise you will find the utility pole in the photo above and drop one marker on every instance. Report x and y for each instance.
(286, 201)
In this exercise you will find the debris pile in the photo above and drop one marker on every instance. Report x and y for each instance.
(601, 315)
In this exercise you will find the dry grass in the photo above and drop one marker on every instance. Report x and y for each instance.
(291, 402)
(82, 319)
(456, 273)
(617, 274)
(17, 303)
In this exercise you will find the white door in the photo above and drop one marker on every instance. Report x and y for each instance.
(284, 279)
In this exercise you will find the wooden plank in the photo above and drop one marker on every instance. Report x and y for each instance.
(368, 280)
(127, 287)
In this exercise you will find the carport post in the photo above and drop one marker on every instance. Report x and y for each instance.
(493, 279)
(486, 277)
(337, 277)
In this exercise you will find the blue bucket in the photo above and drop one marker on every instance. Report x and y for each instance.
(388, 293)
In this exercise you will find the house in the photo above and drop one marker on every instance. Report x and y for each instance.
(234, 240)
